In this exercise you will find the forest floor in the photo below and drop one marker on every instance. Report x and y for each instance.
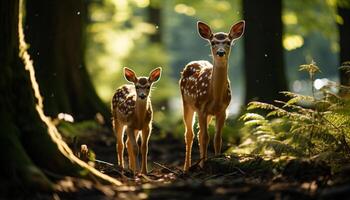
(223, 177)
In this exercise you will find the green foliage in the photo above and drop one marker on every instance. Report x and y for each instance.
(316, 126)
(79, 129)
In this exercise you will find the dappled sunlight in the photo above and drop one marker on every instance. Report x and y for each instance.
(290, 18)
(152, 99)
(184, 9)
(291, 42)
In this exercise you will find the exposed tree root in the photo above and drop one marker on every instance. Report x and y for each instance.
(51, 129)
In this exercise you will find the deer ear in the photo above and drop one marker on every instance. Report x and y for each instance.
(154, 76)
(130, 75)
(237, 30)
(204, 30)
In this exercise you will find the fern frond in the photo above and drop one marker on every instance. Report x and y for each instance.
(282, 148)
(312, 68)
(265, 128)
(250, 116)
(324, 136)
(265, 137)
(296, 108)
(296, 98)
(290, 115)
(254, 122)
(337, 120)
(259, 105)
(322, 105)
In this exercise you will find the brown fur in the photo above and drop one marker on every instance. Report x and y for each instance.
(135, 116)
(205, 90)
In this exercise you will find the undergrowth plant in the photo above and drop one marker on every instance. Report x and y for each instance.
(315, 126)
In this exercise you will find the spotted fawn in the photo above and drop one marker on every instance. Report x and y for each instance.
(205, 89)
(132, 111)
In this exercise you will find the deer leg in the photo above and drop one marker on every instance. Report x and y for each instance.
(203, 137)
(132, 149)
(199, 132)
(137, 136)
(118, 130)
(144, 147)
(188, 121)
(220, 121)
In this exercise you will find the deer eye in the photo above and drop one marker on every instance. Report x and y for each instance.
(228, 43)
(137, 87)
(148, 87)
(213, 43)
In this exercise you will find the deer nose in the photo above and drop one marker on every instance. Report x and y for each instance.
(220, 53)
(142, 96)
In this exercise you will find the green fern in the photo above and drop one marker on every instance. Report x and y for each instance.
(304, 126)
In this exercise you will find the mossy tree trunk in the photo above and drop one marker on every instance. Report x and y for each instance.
(25, 146)
(264, 65)
(55, 30)
(344, 43)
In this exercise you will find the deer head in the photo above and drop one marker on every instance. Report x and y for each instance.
(142, 84)
(221, 42)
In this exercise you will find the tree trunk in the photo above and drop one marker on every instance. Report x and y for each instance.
(344, 42)
(25, 145)
(154, 17)
(55, 31)
(264, 62)
(29, 142)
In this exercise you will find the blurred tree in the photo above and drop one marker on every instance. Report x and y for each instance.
(344, 43)
(25, 145)
(264, 65)
(55, 31)
(155, 18)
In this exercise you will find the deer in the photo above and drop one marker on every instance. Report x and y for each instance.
(205, 90)
(132, 112)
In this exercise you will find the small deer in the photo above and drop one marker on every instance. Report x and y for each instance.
(131, 108)
(205, 89)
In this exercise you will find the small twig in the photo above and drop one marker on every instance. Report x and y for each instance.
(233, 173)
(223, 175)
(241, 171)
(147, 178)
(104, 162)
(196, 163)
(167, 168)
(113, 168)
(212, 176)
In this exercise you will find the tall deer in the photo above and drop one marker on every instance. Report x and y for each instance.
(205, 89)
(131, 108)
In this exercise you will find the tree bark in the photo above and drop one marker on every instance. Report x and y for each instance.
(25, 145)
(55, 31)
(264, 62)
(344, 43)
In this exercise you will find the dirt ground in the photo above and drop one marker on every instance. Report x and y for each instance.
(223, 177)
